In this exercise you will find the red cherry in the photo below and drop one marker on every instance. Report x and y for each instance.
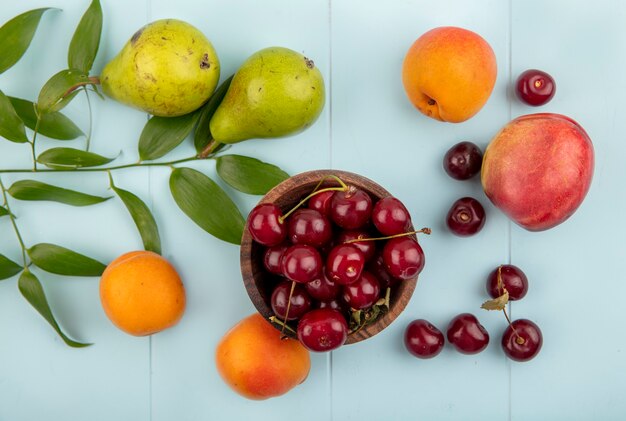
(344, 264)
(403, 257)
(322, 288)
(513, 279)
(527, 345)
(466, 217)
(535, 87)
(265, 226)
(322, 329)
(368, 248)
(321, 202)
(301, 263)
(334, 304)
(463, 161)
(422, 339)
(351, 209)
(308, 226)
(377, 268)
(363, 293)
(390, 217)
(273, 257)
(300, 301)
(467, 335)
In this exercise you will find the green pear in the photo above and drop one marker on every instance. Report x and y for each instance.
(276, 92)
(168, 68)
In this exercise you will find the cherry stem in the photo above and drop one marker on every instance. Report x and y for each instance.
(519, 339)
(293, 286)
(274, 319)
(500, 283)
(334, 177)
(426, 231)
(281, 219)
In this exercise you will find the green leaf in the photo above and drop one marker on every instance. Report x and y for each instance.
(8, 268)
(205, 203)
(4, 211)
(11, 125)
(162, 134)
(36, 190)
(61, 158)
(86, 39)
(54, 125)
(31, 289)
(249, 175)
(143, 218)
(62, 261)
(60, 89)
(16, 36)
(202, 135)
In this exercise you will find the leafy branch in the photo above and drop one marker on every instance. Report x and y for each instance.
(196, 194)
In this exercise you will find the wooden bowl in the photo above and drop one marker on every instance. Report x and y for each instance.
(259, 282)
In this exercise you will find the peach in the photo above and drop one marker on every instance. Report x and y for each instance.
(538, 169)
(141, 293)
(449, 73)
(257, 363)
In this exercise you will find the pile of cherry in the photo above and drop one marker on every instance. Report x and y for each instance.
(522, 339)
(328, 261)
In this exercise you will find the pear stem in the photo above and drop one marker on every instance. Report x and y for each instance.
(208, 149)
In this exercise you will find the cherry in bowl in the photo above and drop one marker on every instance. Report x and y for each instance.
(259, 282)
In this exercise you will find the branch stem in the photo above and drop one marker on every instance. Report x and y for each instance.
(15, 228)
(104, 169)
(88, 140)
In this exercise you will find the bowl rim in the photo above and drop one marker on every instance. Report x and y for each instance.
(404, 289)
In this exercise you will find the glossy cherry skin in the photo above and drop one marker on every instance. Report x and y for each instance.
(351, 209)
(322, 330)
(334, 304)
(344, 264)
(308, 226)
(466, 217)
(422, 339)
(264, 225)
(403, 258)
(390, 216)
(363, 293)
(535, 87)
(463, 161)
(272, 259)
(531, 340)
(513, 279)
(467, 335)
(321, 202)
(322, 288)
(301, 263)
(367, 247)
(300, 301)
(376, 267)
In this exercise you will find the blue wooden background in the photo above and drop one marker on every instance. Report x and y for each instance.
(368, 126)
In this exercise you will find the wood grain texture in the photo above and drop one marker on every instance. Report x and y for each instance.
(286, 195)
